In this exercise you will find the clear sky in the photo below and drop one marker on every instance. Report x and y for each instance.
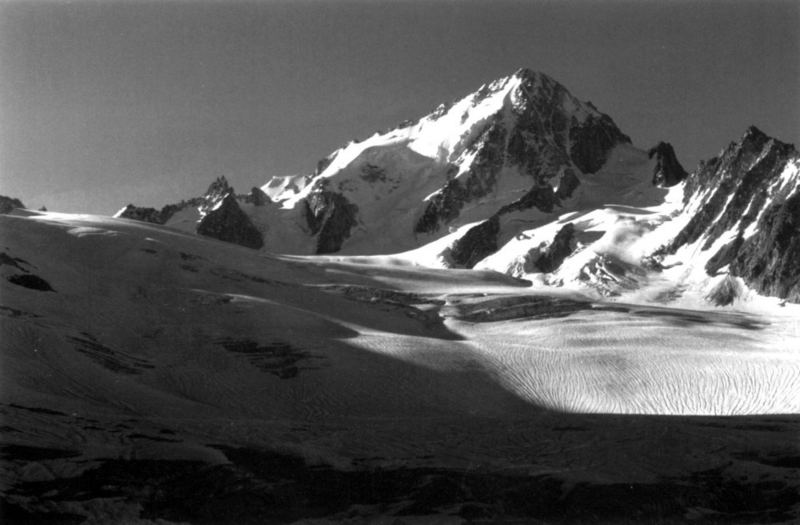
(108, 102)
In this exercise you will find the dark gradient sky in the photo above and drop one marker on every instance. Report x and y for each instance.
(104, 103)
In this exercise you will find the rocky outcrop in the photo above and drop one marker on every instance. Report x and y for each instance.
(330, 217)
(138, 213)
(227, 222)
(221, 217)
(724, 256)
(725, 292)
(748, 192)
(482, 240)
(257, 197)
(561, 248)
(733, 184)
(479, 242)
(445, 205)
(668, 170)
(567, 185)
(7, 204)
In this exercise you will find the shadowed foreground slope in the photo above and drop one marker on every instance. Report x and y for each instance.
(165, 376)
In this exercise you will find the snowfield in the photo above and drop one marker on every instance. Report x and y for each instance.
(136, 355)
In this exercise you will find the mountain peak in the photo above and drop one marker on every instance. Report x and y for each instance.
(533, 82)
(756, 140)
(526, 73)
(753, 132)
(219, 186)
(526, 82)
(668, 170)
(753, 138)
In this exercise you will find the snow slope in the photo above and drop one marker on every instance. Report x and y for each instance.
(461, 163)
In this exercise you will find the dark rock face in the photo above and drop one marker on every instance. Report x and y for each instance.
(769, 261)
(139, 213)
(541, 197)
(7, 204)
(478, 243)
(744, 171)
(229, 223)
(668, 170)
(559, 249)
(482, 240)
(330, 216)
(538, 142)
(592, 140)
(752, 191)
(546, 138)
(257, 197)
(740, 183)
(724, 256)
(568, 184)
(445, 205)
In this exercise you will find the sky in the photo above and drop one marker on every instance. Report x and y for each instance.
(103, 103)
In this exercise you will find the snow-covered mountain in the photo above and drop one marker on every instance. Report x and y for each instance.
(516, 144)
(523, 178)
